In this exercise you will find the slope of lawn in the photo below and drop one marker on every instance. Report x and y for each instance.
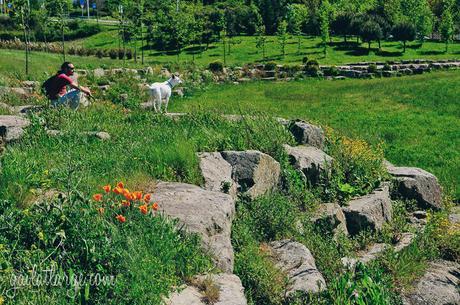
(417, 118)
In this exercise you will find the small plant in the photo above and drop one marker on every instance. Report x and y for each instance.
(312, 67)
(216, 66)
(209, 289)
(270, 66)
(386, 67)
(372, 68)
(304, 60)
(113, 54)
(225, 186)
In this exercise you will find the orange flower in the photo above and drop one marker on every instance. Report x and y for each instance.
(143, 209)
(120, 185)
(126, 203)
(155, 206)
(121, 218)
(101, 210)
(137, 195)
(118, 190)
(147, 198)
(107, 188)
(97, 197)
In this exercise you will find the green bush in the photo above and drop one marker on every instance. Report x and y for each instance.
(113, 54)
(386, 67)
(372, 68)
(216, 66)
(270, 66)
(304, 60)
(331, 71)
(312, 67)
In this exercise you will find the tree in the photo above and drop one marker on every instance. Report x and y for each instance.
(342, 25)
(404, 32)
(296, 16)
(447, 26)
(324, 17)
(282, 36)
(59, 8)
(419, 14)
(22, 15)
(261, 39)
(370, 31)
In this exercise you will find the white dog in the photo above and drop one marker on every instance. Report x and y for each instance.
(162, 91)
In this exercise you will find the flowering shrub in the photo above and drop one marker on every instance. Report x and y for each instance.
(118, 201)
(446, 235)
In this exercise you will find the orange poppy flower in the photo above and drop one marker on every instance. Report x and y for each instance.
(137, 195)
(101, 210)
(126, 203)
(121, 218)
(117, 190)
(155, 206)
(97, 197)
(107, 188)
(147, 198)
(120, 185)
(143, 209)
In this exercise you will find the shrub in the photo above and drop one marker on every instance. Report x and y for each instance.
(113, 54)
(372, 68)
(312, 67)
(331, 71)
(270, 66)
(304, 60)
(386, 67)
(100, 53)
(216, 66)
(129, 54)
(404, 32)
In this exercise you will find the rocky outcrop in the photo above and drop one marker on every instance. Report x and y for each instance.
(311, 161)
(297, 262)
(306, 133)
(365, 256)
(439, 286)
(404, 241)
(329, 216)
(254, 172)
(369, 212)
(418, 184)
(200, 211)
(217, 173)
(12, 127)
(228, 290)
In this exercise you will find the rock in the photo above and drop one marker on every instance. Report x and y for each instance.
(54, 133)
(340, 77)
(104, 87)
(102, 135)
(306, 133)
(124, 97)
(146, 105)
(179, 92)
(26, 109)
(99, 72)
(23, 93)
(366, 256)
(217, 173)
(231, 291)
(404, 241)
(149, 71)
(296, 260)
(369, 212)
(283, 121)
(312, 161)
(175, 115)
(454, 217)
(6, 107)
(415, 183)
(439, 286)
(254, 172)
(30, 84)
(12, 127)
(330, 216)
(206, 213)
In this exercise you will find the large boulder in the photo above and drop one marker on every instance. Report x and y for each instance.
(12, 127)
(369, 212)
(217, 173)
(306, 133)
(418, 184)
(254, 172)
(204, 212)
(439, 286)
(228, 291)
(312, 161)
(330, 217)
(299, 264)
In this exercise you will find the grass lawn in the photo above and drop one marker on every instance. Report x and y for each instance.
(243, 50)
(417, 118)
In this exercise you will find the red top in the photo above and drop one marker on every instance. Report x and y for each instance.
(58, 86)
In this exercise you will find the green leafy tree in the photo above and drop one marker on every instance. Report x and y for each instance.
(59, 8)
(370, 31)
(342, 25)
(22, 16)
(324, 18)
(296, 16)
(418, 13)
(446, 27)
(282, 35)
(404, 32)
(261, 39)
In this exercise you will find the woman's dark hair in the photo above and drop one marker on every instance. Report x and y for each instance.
(65, 65)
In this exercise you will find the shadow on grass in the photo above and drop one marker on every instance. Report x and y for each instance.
(389, 53)
(359, 52)
(432, 52)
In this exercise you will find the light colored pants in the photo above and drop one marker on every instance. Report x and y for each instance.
(73, 98)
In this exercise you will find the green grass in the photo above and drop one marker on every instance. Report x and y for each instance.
(244, 51)
(417, 118)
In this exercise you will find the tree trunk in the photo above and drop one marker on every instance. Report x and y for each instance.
(380, 47)
(142, 42)
(369, 47)
(404, 42)
(345, 38)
